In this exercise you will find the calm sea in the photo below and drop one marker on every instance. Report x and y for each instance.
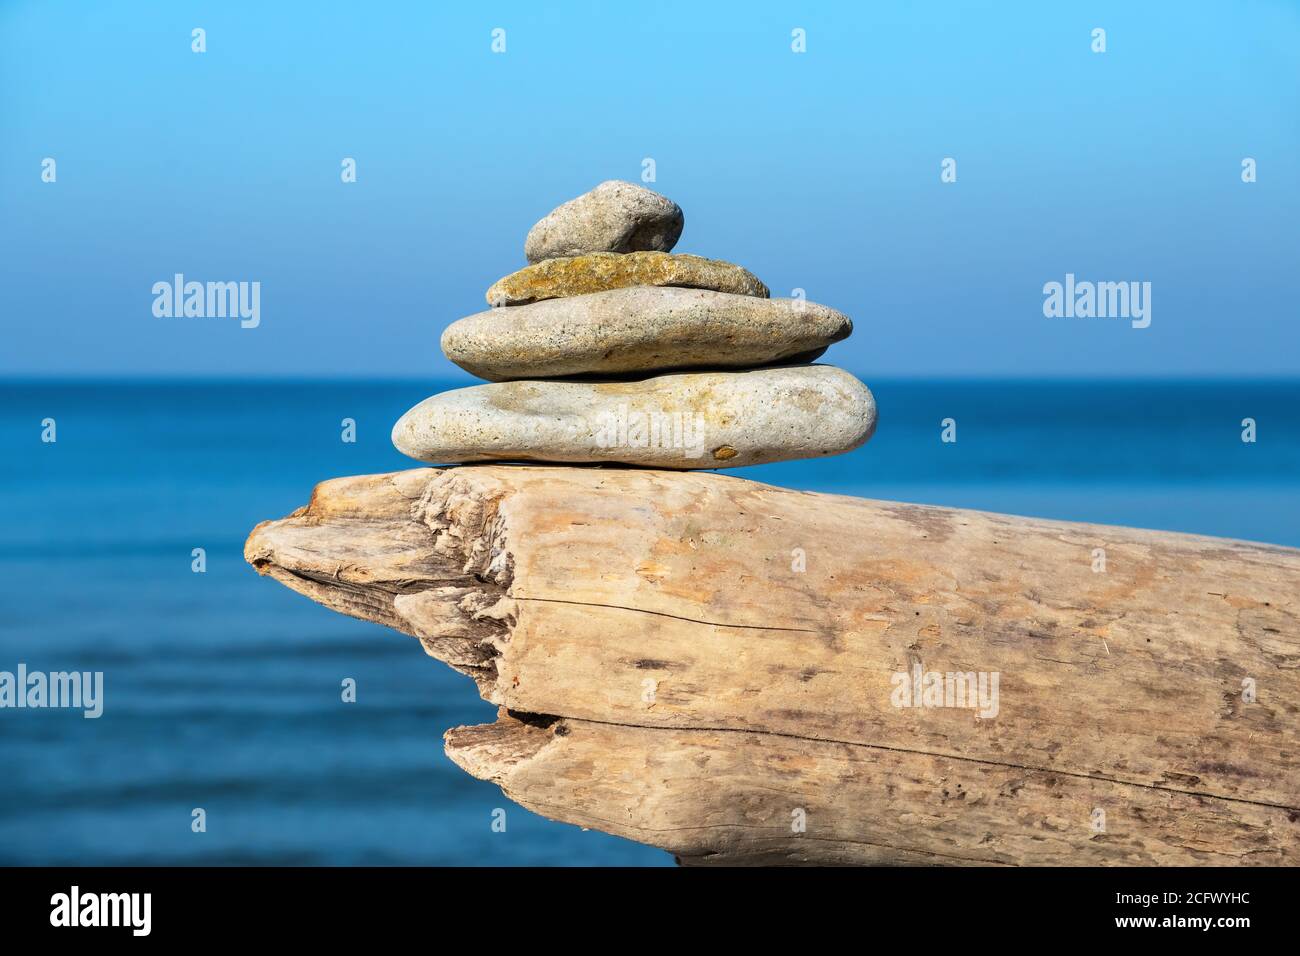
(222, 689)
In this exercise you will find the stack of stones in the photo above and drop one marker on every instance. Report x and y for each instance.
(609, 348)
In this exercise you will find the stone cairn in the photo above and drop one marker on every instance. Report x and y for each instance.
(608, 348)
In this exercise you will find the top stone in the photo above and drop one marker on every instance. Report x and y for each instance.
(614, 217)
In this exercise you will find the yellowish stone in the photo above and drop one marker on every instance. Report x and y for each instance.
(602, 271)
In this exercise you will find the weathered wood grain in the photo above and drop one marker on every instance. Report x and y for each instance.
(711, 796)
(696, 657)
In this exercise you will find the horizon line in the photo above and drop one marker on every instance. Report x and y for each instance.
(96, 378)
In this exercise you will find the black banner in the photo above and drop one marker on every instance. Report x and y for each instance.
(364, 904)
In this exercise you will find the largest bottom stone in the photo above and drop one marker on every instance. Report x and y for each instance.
(683, 420)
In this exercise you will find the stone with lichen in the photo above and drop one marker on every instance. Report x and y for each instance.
(602, 271)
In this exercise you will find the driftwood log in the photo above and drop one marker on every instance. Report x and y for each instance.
(729, 670)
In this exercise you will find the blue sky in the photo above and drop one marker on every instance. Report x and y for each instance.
(818, 170)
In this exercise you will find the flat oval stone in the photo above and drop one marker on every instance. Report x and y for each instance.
(687, 420)
(602, 271)
(614, 217)
(640, 329)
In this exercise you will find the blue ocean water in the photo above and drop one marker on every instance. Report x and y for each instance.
(222, 689)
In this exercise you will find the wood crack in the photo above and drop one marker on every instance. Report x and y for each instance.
(675, 617)
(1027, 768)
